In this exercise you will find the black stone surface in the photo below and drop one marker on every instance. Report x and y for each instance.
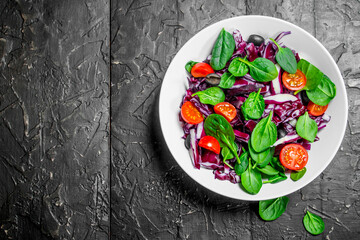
(54, 119)
(70, 69)
(151, 196)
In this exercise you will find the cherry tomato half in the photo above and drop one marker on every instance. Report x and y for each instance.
(227, 110)
(190, 113)
(210, 143)
(294, 81)
(316, 110)
(201, 69)
(293, 156)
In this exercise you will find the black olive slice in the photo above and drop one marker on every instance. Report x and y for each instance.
(257, 40)
(213, 79)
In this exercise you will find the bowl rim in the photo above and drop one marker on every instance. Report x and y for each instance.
(328, 55)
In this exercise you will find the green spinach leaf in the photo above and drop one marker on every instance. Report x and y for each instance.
(285, 58)
(217, 126)
(296, 175)
(261, 69)
(222, 50)
(313, 223)
(251, 180)
(227, 80)
(323, 93)
(275, 163)
(313, 74)
(271, 209)
(306, 127)
(268, 170)
(212, 96)
(189, 65)
(227, 153)
(238, 68)
(276, 178)
(254, 106)
(261, 158)
(264, 134)
(244, 163)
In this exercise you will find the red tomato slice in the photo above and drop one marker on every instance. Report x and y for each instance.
(294, 156)
(210, 143)
(201, 69)
(190, 113)
(294, 81)
(316, 110)
(227, 110)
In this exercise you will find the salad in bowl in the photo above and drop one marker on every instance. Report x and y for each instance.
(252, 110)
(259, 104)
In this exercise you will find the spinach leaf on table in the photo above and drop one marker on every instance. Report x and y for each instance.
(217, 126)
(271, 209)
(227, 80)
(323, 93)
(244, 163)
(313, 74)
(254, 106)
(306, 127)
(251, 179)
(285, 58)
(238, 68)
(296, 175)
(212, 96)
(261, 69)
(222, 50)
(313, 223)
(189, 65)
(264, 134)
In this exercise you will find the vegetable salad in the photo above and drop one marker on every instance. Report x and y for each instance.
(252, 110)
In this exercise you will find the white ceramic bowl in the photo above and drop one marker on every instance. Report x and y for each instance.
(198, 48)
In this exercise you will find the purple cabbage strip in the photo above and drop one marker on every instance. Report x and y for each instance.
(279, 98)
(269, 52)
(194, 149)
(281, 35)
(275, 85)
(243, 85)
(203, 108)
(289, 110)
(306, 144)
(289, 128)
(241, 136)
(238, 38)
(251, 52)
(289, 138)
(210, 160)
(238, 102)
(267, 110)
(200, 131)
(236, 122)
(250, 124)
(226, 173)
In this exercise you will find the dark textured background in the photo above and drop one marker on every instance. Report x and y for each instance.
(64, 176)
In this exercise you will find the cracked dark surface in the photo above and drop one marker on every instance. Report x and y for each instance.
(54, 120)
(69, 68)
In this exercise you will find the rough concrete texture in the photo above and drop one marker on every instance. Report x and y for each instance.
(151, 196)
(54, 119)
